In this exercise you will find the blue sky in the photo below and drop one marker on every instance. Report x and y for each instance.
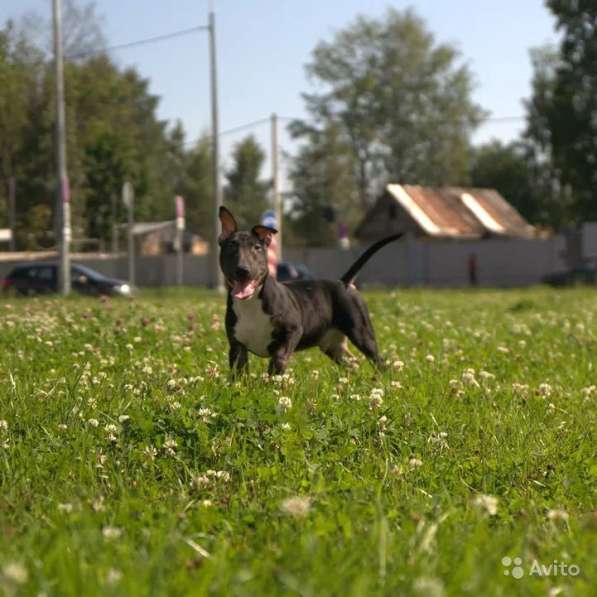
(264, 44)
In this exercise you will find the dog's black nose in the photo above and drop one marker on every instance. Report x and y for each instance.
(242, 272)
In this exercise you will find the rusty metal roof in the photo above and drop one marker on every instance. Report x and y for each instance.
(460, 212)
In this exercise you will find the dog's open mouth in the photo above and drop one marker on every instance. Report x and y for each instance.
(243, 290)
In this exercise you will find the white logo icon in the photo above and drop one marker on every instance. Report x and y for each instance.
(517, 572)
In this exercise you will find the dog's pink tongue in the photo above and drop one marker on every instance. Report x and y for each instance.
(243, 290)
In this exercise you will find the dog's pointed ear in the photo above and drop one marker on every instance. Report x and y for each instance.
(229, 226)
(264, 233)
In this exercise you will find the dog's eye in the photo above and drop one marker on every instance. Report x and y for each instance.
(258, 247)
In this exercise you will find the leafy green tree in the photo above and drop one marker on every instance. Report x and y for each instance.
(113, 135)
(505, 167)
(21, 73)
(82, 33)
(196, 186)
(323, 183)
(401, 100)
(563, 107)
(245, 193)
(555, 199)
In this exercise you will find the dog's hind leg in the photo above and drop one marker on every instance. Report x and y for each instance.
(364, 340)
(335, 345)
(355, 323)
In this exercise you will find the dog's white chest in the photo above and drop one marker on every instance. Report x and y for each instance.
(253, 327)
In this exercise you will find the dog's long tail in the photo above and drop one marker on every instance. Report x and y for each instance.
(354, 269)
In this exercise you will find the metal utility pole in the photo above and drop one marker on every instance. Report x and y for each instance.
(276, 183)
(215, 273)
(114, 227)
(12, 218)
(63, 198)
(128, 198)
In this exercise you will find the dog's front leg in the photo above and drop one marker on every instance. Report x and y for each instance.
(282, 348)
(238, 359)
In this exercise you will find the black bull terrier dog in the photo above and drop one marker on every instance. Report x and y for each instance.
(273, 319)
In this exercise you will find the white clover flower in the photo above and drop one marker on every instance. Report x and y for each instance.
(170, 446)
(150, 452)
(201, 481)
(468, 378)
(520, 389)
(223, 476)
(297, 507)
(398, 365)
(487, 503)
(429, 587)
(123, 418)
(285, 427)
(430, 358)
(97, 505)
(15, 573)
(375, 398)
(67, 508)
(545, 390)
(205, 414)
(284, 404)
(415, 462)
(486, 376)
(3, 425)
(114, 576)
(557, 515)
(110, 533)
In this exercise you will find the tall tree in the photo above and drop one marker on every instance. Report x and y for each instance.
(21, 74)
(81, 30)
(245, 193)
(564, 105)
(523, 177)
(196, 185)
(555, 199)
(402, 102)
(324, 194)
(505, 167)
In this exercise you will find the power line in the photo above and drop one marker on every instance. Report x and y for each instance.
(483, 120)
(140, 42)
(243, 127)
(236, 129)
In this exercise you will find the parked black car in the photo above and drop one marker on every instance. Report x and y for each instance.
(584, 273)
(287, 270)
(42, 278)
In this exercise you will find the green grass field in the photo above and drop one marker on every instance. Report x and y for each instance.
(131, 465)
